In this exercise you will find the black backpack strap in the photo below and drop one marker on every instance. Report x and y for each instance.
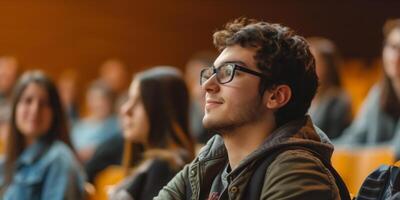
(382, 183)
(253, 190)
(395, 178)
(343, 191)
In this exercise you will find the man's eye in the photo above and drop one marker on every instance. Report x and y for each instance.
(224, 72)
(228, 70)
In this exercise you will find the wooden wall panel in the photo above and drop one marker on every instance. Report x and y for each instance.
(81, 34)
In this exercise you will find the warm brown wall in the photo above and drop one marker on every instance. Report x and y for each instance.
(81, 34)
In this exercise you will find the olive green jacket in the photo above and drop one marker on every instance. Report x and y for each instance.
(294, 174)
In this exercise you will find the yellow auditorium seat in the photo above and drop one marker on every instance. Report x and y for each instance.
(107, 178)
(354, 165)
(342, 161)
(357, 77)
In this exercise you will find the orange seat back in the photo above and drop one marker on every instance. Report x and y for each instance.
(107, 178)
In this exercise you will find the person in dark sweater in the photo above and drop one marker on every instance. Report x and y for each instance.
(108, 153)
(330, 109)
(155, 116)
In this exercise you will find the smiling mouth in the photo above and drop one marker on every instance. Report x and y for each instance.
(212, 104)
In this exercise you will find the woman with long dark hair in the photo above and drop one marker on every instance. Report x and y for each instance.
(156, 117)
(39, 163)
(378, 121)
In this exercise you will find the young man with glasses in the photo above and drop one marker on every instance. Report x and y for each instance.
(265, 146)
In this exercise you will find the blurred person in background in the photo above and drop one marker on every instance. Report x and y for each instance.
(109, 153)
(67, 87)
(331, 107)
(4, 129)
(195, 64)
(39, 163)
(378, 121)
(8, 76)
(115, 74)
(155, 116)
(100, 124)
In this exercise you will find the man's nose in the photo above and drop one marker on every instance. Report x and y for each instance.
(211, 85)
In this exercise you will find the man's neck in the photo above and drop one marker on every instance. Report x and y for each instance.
(243, 140)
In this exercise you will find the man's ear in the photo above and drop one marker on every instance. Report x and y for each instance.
(277, 96)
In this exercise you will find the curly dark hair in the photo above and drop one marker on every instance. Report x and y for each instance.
(282, 55)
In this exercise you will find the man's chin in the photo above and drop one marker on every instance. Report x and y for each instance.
(214, 124)
(209, 122)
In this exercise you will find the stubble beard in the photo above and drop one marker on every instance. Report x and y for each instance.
(249, 113)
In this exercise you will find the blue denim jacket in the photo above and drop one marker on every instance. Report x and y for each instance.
(45, 173)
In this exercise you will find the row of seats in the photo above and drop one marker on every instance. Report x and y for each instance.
(355, 164)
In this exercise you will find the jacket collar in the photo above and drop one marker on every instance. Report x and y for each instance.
(299, 132)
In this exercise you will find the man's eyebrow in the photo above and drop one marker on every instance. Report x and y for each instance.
(241, 63)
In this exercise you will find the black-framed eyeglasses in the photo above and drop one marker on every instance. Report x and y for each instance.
(225, 73)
